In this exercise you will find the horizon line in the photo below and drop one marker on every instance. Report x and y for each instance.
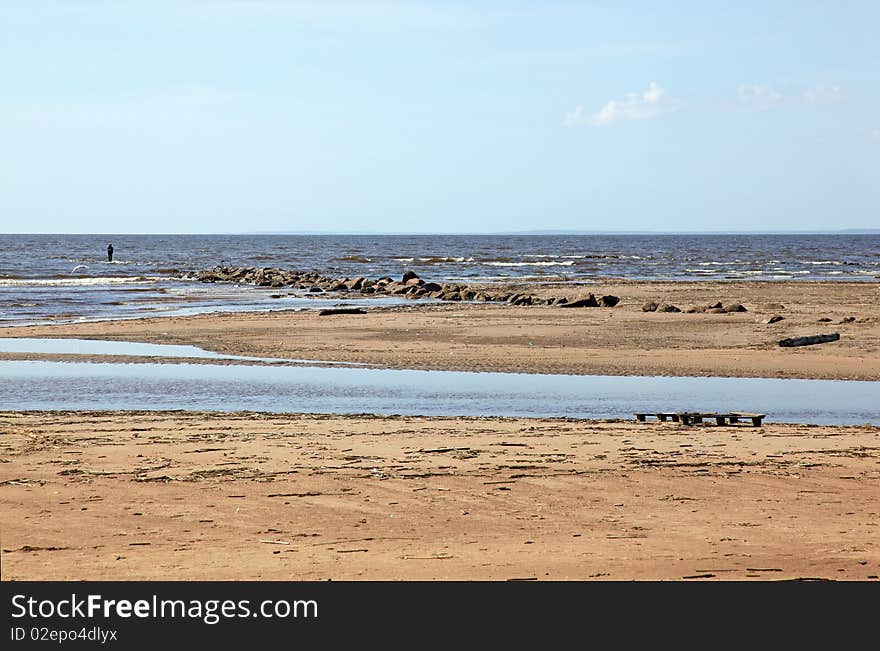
(537, 232)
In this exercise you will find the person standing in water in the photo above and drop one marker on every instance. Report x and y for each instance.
(110, 252)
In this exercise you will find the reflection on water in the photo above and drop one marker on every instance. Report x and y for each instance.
(42, 385)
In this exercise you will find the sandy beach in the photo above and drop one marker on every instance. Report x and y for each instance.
(188, 495)
(116, 495)
(622, 340)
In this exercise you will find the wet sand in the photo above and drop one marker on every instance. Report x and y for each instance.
(622, 340)
(179, 495)
(119, 495)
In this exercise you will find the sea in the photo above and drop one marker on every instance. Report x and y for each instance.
(67, 278)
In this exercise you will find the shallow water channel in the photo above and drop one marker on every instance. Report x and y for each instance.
(50, 385)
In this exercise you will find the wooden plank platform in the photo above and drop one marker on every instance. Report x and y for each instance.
(694, 417)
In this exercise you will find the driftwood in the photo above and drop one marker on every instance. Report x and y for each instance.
(342, 310)
(808, 341)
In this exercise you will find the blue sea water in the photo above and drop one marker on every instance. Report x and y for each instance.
(56, 278)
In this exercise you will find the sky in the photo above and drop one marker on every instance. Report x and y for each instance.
(197, 116)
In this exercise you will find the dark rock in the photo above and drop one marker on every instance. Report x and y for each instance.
(431, 287)
(589, 301)
(409, 275)
(650, 306)
(609, 301)
(848, 319)
(315, 290)
(824, 319)
(774, 319)
(668, 307)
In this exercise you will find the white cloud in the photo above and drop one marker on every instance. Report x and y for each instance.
(758, 98)
(637, 106)
(823, 94)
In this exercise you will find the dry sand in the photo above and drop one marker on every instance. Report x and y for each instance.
(116, 495)
(619, 341)
(119, 495)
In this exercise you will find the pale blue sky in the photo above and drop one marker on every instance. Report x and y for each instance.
(225, 116)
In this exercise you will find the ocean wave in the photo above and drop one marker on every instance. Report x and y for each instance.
(441, 260)
(567, 263)
(834, 262)
(352, 258)
(76, 282)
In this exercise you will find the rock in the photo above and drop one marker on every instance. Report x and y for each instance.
(609, 301)
(809, 341)
(560, 300)
(650, 306)
(315, 290)
(668, 307)
(357, 283)
(414, 281)
(736, 307)
(848, 319)
(774, 319)
(409, 275)
(589, 301)
(716, 310)
(431, 287)
(824, 319)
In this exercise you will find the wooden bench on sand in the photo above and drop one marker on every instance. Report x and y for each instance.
(693, 417)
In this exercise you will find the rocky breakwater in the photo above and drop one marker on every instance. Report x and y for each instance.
(410, 286)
